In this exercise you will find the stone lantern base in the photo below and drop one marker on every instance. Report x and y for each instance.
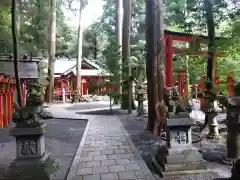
(178, 156)
(30, 143)
(32, 161)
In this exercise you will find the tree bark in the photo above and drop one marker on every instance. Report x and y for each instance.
(160, 53)
(79, 56)
(51, 51)
(18, 16)
(15, 51)
(160, 50)
(151, 58)
(211, 122)
(211, 38)
(127, 16)
(119, 22)
(95, 53)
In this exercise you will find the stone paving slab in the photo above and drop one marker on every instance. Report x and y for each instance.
(68, 110)
(107, 153)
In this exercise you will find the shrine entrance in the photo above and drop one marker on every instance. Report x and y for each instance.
(193, 49)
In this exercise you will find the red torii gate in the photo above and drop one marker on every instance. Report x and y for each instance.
(171, 36)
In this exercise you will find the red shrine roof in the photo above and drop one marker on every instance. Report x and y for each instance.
(64, 66)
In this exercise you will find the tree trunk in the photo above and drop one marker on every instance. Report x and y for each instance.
(18, 16)
(15, 52)
(79, 56)
(151, 58)
(214, 132)
(159, 50)
(51, 51)
(119, 22)
(95, 53)
(127, 16)
(211, 40)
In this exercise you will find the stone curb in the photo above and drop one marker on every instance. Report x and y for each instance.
(75, 162)
(96, 109)
(141, 162)
(66, 118)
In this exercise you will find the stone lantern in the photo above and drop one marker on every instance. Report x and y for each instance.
(32, 160)
(140, 98)
(178, 156)
(233, 135)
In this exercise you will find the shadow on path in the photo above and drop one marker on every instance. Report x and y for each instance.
(62, 140)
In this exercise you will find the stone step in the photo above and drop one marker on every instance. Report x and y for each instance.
(178, 169)
(200, 165)
(172, 151)
(179, 158)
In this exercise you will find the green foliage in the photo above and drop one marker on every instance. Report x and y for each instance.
(5, 30)
(237, 89)
(137, 61)
(111, 56)
(189, 15)
(184, 16)
(33, 18)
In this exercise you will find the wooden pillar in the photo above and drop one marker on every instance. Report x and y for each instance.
(8, 102)
(87, 88)
(9, 107)
(1, 101)
(98, 85)
(169, 61)
(12, 98)
(5, 109)
(84, 87)
(1, 110)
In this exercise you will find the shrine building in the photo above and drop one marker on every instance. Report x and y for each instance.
(94, 79)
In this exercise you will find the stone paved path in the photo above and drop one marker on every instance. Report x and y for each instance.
(107, 153)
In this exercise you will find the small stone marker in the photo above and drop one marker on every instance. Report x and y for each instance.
(179, 156)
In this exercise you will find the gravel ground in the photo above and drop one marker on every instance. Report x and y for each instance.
(62, 140)
(148, 144)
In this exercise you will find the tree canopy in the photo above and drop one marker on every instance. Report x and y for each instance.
(180, 15)
(33, 23)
